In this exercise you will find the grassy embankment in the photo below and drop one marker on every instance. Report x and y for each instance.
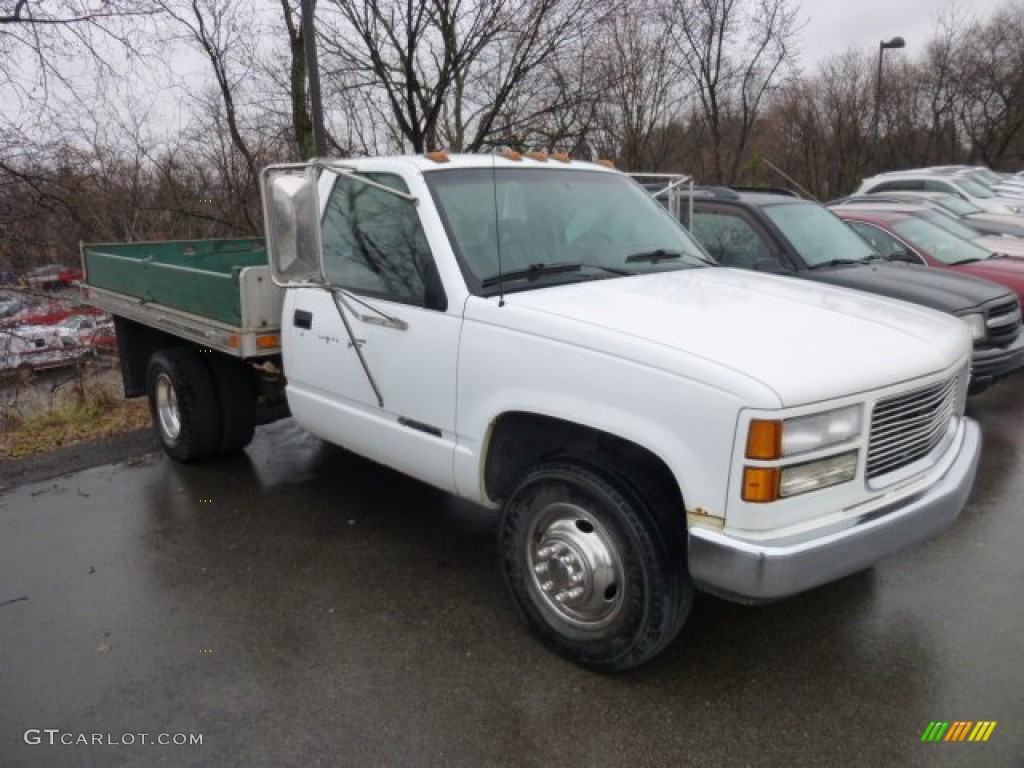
(49, 412)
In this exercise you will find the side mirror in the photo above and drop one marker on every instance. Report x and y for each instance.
(291, 209)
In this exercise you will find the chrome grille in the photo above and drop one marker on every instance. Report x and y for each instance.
(906, 427)
(1003, 323)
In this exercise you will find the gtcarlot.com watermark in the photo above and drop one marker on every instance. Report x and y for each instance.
(55, 736)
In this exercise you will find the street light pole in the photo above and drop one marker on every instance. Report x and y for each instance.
(896, 42)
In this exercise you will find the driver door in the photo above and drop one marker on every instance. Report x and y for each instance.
(372, 366)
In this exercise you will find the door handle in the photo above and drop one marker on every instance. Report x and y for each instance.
(303, 319)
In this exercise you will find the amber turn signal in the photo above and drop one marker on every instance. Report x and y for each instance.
(764, 440)
(760, 484)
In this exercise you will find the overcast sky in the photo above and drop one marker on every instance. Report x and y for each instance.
(833, 26)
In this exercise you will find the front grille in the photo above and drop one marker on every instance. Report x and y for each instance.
(906, 427)
(1003, 323)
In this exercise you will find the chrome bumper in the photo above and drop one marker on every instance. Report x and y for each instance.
(992, 363)
(763, 570)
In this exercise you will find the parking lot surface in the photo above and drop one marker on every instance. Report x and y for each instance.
(297, 605)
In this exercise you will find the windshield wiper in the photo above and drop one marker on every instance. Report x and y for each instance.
(963, 261)
(531, 272)
(660, 254)
(837, 263)
(539, 269)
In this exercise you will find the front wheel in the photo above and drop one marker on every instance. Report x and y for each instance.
(594, 574)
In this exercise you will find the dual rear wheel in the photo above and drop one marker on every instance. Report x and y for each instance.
(202, 404)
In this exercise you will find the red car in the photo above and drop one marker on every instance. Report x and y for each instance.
(49, 313)
(52, 277)
(900, 236)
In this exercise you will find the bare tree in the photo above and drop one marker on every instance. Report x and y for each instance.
(734, 52)
(460, 63)
(638, 84)
(302, 119)
(818, 129)
(991, 87)
(43, 44)
(222, 30)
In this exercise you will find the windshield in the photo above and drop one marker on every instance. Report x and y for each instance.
(986, 176)
(940, 244)
(974, 189)
(817, 234)
(556, 226)
(956, 205)
(951, 225)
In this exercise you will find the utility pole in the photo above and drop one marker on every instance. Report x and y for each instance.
(313, 72)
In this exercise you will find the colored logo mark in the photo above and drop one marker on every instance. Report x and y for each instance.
(959, 730)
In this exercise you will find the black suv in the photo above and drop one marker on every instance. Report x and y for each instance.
(783, 234)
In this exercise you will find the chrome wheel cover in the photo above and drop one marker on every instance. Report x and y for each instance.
(575, 566)
(167, 412)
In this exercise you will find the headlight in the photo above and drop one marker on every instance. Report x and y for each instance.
(769, 440)
(818, 474)
(772, 440)
(976, 324)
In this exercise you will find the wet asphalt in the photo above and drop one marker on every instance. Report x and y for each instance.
(298, 606)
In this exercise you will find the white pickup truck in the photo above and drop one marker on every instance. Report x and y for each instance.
(537, 334)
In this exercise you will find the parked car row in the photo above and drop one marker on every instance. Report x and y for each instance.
(22, 309)
(974, 185)
(878, 246)
(48, 335)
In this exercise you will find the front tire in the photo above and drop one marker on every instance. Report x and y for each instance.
(183, 404)
(592, 571)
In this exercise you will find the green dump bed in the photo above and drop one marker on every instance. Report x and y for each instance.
(205, 290)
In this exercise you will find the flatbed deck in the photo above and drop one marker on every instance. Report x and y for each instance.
(216, 293)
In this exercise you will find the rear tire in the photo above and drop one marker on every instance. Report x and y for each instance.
(236, 393)
(183, 404)
(592, 571)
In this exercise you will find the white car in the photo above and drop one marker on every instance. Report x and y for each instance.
(955, 183)
(81, 328)
(30, 348)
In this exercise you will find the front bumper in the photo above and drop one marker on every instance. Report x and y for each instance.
(765, 570)
(987, 365)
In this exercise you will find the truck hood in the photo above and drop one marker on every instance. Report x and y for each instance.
(1005, 271)
(996, 244)
(997, 222)
(934, 288)
(804, 342)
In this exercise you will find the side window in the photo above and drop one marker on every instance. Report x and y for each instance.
(730, 239)
(374, 244)
(935, 185)
(905, 185)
